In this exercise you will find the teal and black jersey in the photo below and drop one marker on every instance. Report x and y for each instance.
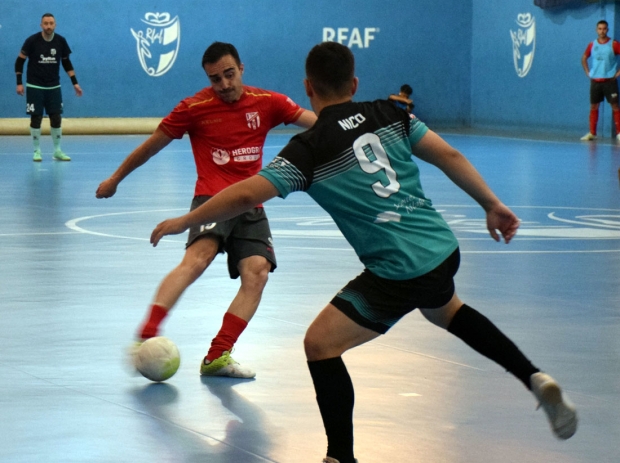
(356, 163)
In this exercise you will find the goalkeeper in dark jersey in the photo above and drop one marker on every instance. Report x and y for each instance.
(356, 163)
(45, 52)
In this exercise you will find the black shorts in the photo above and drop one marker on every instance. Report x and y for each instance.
(246, 235)
(607, 89)
(377, 303)
(40, 99)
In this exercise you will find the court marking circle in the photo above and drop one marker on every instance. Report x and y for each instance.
(599, 224)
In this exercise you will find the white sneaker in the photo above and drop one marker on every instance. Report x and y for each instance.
(588, 137)
(560, 411)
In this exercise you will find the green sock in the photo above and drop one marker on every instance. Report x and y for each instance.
(36, 138)
(56, 137)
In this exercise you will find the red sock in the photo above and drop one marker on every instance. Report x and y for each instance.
(617, 121)
(594, 121)
(150, 328)
(231, 329)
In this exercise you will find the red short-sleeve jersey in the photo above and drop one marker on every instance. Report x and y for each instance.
(227, 138)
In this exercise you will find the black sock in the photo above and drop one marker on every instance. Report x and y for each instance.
(479, 333)
(335, 396)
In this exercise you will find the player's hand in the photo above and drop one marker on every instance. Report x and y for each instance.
(502, 219)
(78, 90)
(168, 227)
(106, 189)
(20, 90)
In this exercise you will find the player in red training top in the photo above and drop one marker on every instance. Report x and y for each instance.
(227, 125)
(603, 76)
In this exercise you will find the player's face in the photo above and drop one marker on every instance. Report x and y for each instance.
(48, 25)
(602, 30)
(225, 77)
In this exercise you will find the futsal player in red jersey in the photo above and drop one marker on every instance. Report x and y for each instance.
(227, 125)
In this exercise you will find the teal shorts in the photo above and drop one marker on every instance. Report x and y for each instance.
(377, 303)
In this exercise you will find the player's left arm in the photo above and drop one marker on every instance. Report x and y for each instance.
(68, 67)
(306, 119)
(616, 48)
(435, 150)
(228, 203)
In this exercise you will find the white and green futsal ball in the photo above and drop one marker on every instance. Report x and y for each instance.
(157, 358)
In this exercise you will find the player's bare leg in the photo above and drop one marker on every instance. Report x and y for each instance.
(197, 258)
(254, 272)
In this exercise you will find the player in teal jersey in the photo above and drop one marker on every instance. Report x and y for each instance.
(355, 162)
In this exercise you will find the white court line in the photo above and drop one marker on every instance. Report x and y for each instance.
(469, 252)
(335, 234)
(72, 224)
(38, 234)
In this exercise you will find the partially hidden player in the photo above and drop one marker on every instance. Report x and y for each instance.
(227, 124)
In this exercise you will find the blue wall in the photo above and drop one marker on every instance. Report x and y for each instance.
(393, 41)
(554, 94)
(457, 55)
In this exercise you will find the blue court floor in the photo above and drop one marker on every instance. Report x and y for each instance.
(77, 274)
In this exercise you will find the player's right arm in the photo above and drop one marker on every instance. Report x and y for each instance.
(19, 71)
(435, 150)
(151, 146)
(584, 59)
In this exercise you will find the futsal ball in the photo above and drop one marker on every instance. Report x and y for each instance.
(157, 358)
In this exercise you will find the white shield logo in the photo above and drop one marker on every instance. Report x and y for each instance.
(158, 44)
(253, 120)
(524, 43)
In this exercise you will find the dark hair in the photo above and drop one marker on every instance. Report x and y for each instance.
(406, 89)
(330, 68)
(217, 50)
(46, 15)
(602, 21)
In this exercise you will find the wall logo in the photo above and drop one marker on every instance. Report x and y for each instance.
(524, 43)
(355, 37)
(158, 44)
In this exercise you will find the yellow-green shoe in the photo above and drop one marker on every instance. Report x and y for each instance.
(36, 157)
(225, 366)
(60, 156)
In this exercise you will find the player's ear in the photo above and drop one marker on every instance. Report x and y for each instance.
(308, 87)
(354, 86)
(241, 68)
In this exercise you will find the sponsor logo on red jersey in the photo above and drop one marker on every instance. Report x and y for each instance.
(220, 156)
